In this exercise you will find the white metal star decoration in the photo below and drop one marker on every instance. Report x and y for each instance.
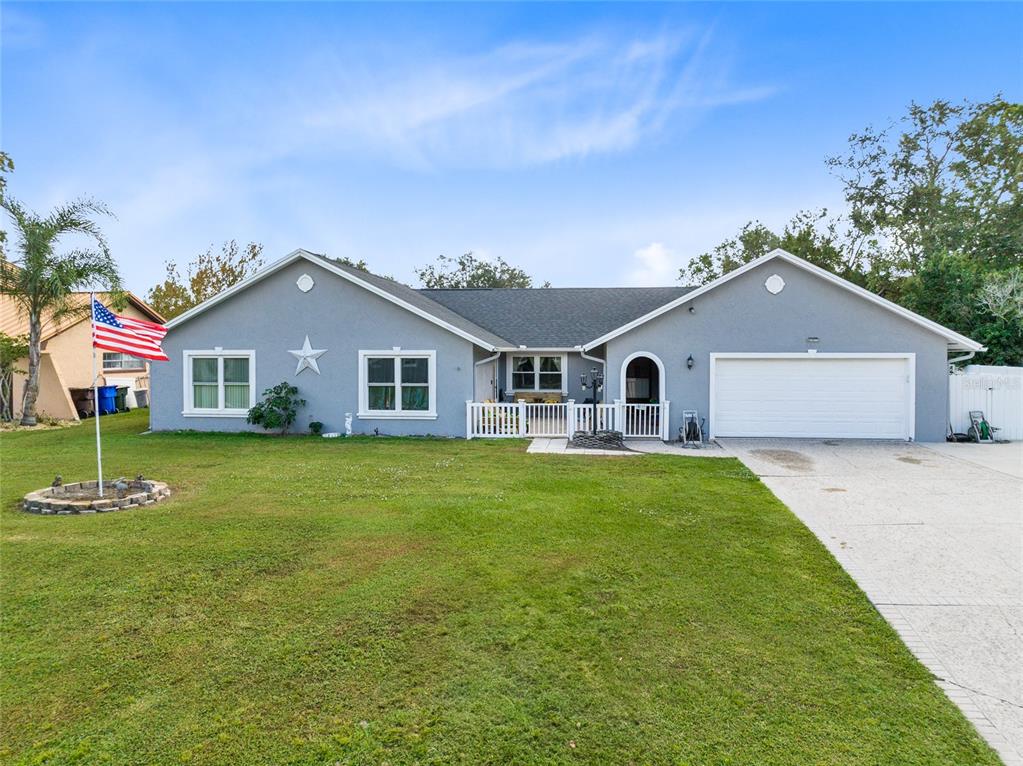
(307, 356)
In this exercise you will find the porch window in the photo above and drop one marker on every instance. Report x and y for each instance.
(524, 373)
(219, 383)
(538, 372)
(397, 384)
(113, 360)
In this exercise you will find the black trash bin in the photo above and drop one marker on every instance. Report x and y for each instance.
(84, 401)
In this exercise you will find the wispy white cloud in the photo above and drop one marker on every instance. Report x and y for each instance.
(262, 152)
(520, 104)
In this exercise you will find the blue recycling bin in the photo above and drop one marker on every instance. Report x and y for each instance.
(107, 400)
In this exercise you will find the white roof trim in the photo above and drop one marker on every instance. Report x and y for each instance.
(531, 349)
(323, 263)
(956, 341)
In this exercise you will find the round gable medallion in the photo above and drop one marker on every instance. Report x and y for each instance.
(305, 283)
(774, 284)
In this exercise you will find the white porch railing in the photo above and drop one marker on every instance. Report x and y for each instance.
(644, 421)
(491, 420)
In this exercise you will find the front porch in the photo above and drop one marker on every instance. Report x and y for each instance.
(521, 419)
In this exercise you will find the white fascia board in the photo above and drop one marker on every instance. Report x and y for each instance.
(541, 349)
(325, 264)
(955, 340)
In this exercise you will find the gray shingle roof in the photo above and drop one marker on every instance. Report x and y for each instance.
(553, 317)
(422, 300)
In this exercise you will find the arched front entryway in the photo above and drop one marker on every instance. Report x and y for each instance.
(642, 408)
(642, 380)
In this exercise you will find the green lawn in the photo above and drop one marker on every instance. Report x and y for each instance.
(312, 601)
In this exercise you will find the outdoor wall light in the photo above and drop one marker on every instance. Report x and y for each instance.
(690, 362)
(692, 309)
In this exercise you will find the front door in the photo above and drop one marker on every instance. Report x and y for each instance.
(486, 382)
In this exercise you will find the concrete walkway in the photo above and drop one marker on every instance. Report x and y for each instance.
(636, 447)
(934, 536)
(560, 447)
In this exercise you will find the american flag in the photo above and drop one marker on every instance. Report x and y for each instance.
(129, 336)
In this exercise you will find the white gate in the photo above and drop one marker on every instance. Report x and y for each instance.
(546, 419)
(997, 391)
(584, 417)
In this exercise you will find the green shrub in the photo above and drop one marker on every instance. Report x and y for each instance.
(278, 409)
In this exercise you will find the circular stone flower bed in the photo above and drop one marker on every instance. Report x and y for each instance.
(83, 497)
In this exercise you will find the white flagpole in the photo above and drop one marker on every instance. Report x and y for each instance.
(95, 394)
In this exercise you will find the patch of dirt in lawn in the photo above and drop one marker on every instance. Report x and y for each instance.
(364, 556)
(19, 538)
(424, 609)
(786, 458)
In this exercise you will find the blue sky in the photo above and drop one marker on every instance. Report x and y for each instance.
(590, 144)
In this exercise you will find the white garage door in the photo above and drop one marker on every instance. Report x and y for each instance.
(812, 396)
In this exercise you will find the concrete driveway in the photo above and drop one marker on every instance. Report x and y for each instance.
(934, 536)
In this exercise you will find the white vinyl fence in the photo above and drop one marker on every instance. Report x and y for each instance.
(997, 391)
(562, 419)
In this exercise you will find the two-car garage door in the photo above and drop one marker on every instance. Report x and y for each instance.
(846, 396)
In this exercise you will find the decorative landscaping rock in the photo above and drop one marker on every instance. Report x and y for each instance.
(81, 497)
(609, 440)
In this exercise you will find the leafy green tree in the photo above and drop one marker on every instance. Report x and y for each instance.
(939, 196)
(946, 178)
(6, 166)
(1002, 294)
(810, 235)
(42, 282)
(344, 260)
(956, 291)
(209, 274)
(12, 348)
(469, 271)
(935, 220)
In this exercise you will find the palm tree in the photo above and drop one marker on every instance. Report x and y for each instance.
(42, 282)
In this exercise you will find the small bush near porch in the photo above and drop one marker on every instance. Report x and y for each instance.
(311, 601)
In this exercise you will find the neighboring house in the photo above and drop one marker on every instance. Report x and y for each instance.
(66, 360)
(778, 347)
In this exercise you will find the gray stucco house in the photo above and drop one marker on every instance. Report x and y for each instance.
(778, 347)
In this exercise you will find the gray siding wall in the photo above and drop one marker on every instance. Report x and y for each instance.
(273, 316)
(742, 315)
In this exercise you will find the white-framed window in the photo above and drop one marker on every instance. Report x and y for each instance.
(114, 360)
(538, 372)
(219, 383)
(398, 384)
